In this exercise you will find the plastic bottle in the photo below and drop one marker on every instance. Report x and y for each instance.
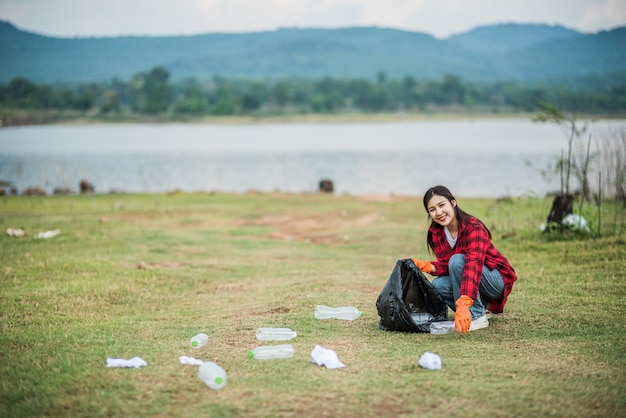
(420, 318)
(268, 352)
(348, 313)
(278, 334)
(442, 327)
(198, 341)
(212, 375)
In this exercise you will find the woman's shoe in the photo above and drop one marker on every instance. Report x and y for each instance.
(479, 323)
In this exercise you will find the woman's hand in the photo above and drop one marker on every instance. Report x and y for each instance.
(463, 317)
(423, 265)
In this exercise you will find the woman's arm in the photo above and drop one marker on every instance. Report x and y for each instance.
(475, 243)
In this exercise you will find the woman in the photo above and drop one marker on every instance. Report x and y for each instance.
(474, 278)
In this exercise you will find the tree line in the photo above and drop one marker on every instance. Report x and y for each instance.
(153, 93)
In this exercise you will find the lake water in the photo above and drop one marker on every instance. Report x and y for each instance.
(485, 157)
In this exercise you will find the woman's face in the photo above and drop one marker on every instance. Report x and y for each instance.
(441, 210)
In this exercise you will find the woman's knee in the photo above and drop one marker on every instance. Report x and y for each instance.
(442, 284)
(456, 263)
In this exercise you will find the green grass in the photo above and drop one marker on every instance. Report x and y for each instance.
(228, 264)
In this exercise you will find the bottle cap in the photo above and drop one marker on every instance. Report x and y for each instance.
(251, 354)
(194, 343)
(219, 380)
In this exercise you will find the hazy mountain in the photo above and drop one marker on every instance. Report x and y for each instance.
(508, 52)
(510, 37)
(600, 53)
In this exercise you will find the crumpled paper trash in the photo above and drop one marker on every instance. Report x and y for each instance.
(135, 362)
(48, 234)
(190, 360)
(325, 357)
(430, 361)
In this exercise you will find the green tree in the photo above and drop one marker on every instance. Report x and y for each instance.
(136, 93)
(85, 97)
(83, 101)
(281, 93)
(110, 102)
(369, 97)
(157, 91)
(410, 93)
(21, 92)
(150, 93)
(254, 97)
(451, 90)
(327, 95)
(193, 101)
(225, 106)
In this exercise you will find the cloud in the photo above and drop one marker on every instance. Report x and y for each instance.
(176, 17)
(608, 14)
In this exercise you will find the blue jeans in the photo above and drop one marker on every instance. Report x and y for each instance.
(491, 286)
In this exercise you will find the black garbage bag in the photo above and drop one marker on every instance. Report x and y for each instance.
(409, 302)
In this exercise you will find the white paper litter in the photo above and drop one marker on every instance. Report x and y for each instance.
(325, 357)
(135, 362)
(430, 361)
(48, 234)
(190, 360)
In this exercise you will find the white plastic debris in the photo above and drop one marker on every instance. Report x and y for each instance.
(270, 352)
(15, 232)
(325, 357)
(576, 221)
(430, 361)
(48, 234)
(212, 375)
(275, 334)
(135, 362)
(199, 341)
(348, 313)
(572, 220)
(190, 360)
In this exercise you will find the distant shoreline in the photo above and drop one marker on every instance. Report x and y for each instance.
(313, 118)
(25, 118)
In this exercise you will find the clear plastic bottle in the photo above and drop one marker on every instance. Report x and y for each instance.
(442, 327)
(278, 334)
(212, 375)
(420, 318)
(198, 341)
(347, 313)
(269, 352)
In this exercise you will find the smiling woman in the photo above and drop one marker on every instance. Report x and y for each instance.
(473, 277)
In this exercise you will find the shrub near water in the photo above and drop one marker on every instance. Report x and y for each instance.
(138, 275)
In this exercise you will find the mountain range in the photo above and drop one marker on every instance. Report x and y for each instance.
(526, 53)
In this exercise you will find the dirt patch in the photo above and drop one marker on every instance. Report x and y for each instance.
(142, 265)
(318, 229)
(377, 198)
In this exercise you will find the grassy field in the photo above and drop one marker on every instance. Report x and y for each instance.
(138, 275)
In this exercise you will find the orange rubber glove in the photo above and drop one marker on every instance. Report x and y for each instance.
(423, 265)
(463, 317)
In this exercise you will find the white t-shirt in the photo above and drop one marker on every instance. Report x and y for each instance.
(451, 241)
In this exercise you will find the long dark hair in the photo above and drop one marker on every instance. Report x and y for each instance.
(461, 216)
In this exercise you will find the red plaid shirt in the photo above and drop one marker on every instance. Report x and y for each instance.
(473, 241)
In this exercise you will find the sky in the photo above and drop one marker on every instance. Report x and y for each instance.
(440, 18)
